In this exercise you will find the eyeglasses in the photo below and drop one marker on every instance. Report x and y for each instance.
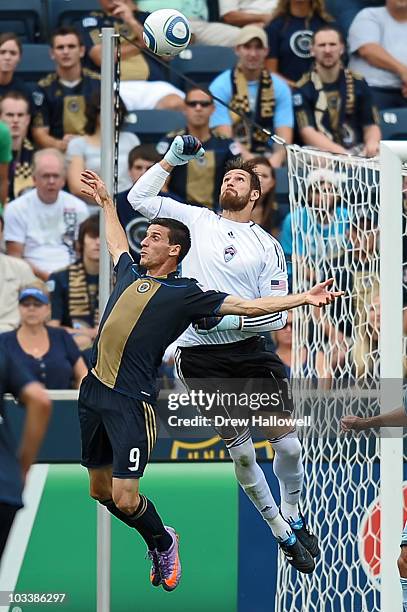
(194, 103)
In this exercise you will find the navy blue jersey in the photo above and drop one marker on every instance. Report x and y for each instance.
(143, 316)
(13, 379)
(62, 108)
(290, 43)
(340, 110)
(54, 369)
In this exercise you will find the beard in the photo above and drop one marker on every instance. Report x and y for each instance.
(231, 201)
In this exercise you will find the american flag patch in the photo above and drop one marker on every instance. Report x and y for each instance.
(278, 285)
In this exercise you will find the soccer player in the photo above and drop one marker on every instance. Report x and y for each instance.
(395, 418)
(231, 253)
(145, 313)
(14, 467)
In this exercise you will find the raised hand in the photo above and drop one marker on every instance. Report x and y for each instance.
(182, 149)
(96, 189)
(320, 296)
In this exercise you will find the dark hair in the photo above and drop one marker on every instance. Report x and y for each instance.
(328, 28)
(65, 31)
(146, 151)
(88, 227)
(6, 36)
(16, 95)
(1, 223)
(178, 234)
(92, 112)
(198, 88)
(246, 166)
(270, 218)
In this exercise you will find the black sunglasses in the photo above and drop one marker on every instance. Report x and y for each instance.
(203, 103)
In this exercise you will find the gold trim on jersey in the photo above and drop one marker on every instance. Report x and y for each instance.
(151, 427)
(117, 328)
(201, 179)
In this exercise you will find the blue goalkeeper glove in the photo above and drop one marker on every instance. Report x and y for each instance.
(208, 325)
(182, 149)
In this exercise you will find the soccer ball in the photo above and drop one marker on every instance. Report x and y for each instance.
(166, 32)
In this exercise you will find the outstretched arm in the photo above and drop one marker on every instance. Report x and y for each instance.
(317, 296)
(395, 418)
(38, 411)
(115, 235)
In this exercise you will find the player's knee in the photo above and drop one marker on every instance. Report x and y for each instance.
(127, 504)
(99, 493)
(402, 562)
(289, 447)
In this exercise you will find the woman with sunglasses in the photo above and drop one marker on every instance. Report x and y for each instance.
(48, 353)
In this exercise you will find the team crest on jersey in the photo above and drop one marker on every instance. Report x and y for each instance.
(229, 253)
(144, 287)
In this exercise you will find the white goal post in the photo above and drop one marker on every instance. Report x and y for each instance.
(347, 221)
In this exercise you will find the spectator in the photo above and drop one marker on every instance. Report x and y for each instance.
(141, 158)
(266, 212)
(60, 96)
(377, 42)
(246, 12)
(75, 289)
(283, 347)
(199, 181)
(142, 79)
(42, 224)
(84, 151)
(205, 31)
(333, 105)
(15, 111)
(10, 56)
(5, 159)
(48, 353)
(250, 89)
(322, 225)
(290, 34)
(15, 274)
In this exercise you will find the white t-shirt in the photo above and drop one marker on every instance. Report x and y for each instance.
(238, 258)
(14, 274)
(48, 231)
(376, 25)
(90, 154)
(247, 6)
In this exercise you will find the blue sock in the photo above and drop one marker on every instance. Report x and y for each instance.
(296, 524)
(403, 582)
(290, 540)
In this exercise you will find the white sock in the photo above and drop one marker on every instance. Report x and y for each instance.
(288, 468)
(253, 481)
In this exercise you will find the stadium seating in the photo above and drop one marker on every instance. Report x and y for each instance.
(151, 125)
(24, 19)
(201, 63)
(35, 62)
(64, 12)
(393, 123)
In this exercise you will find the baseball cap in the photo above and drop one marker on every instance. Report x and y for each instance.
(35, 293)
(247, 33)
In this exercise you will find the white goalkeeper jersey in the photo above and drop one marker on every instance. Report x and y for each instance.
(237, 258)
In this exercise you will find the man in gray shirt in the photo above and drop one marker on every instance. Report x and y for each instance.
(377, 42)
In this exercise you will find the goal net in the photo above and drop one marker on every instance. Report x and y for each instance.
(334, 204)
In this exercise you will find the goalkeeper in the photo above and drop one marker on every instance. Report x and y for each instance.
(395, 418)
(231, 253)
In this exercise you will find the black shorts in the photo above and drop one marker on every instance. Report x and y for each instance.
(115, 429)
(240, 365)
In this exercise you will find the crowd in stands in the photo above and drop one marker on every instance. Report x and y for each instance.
(302, 70)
